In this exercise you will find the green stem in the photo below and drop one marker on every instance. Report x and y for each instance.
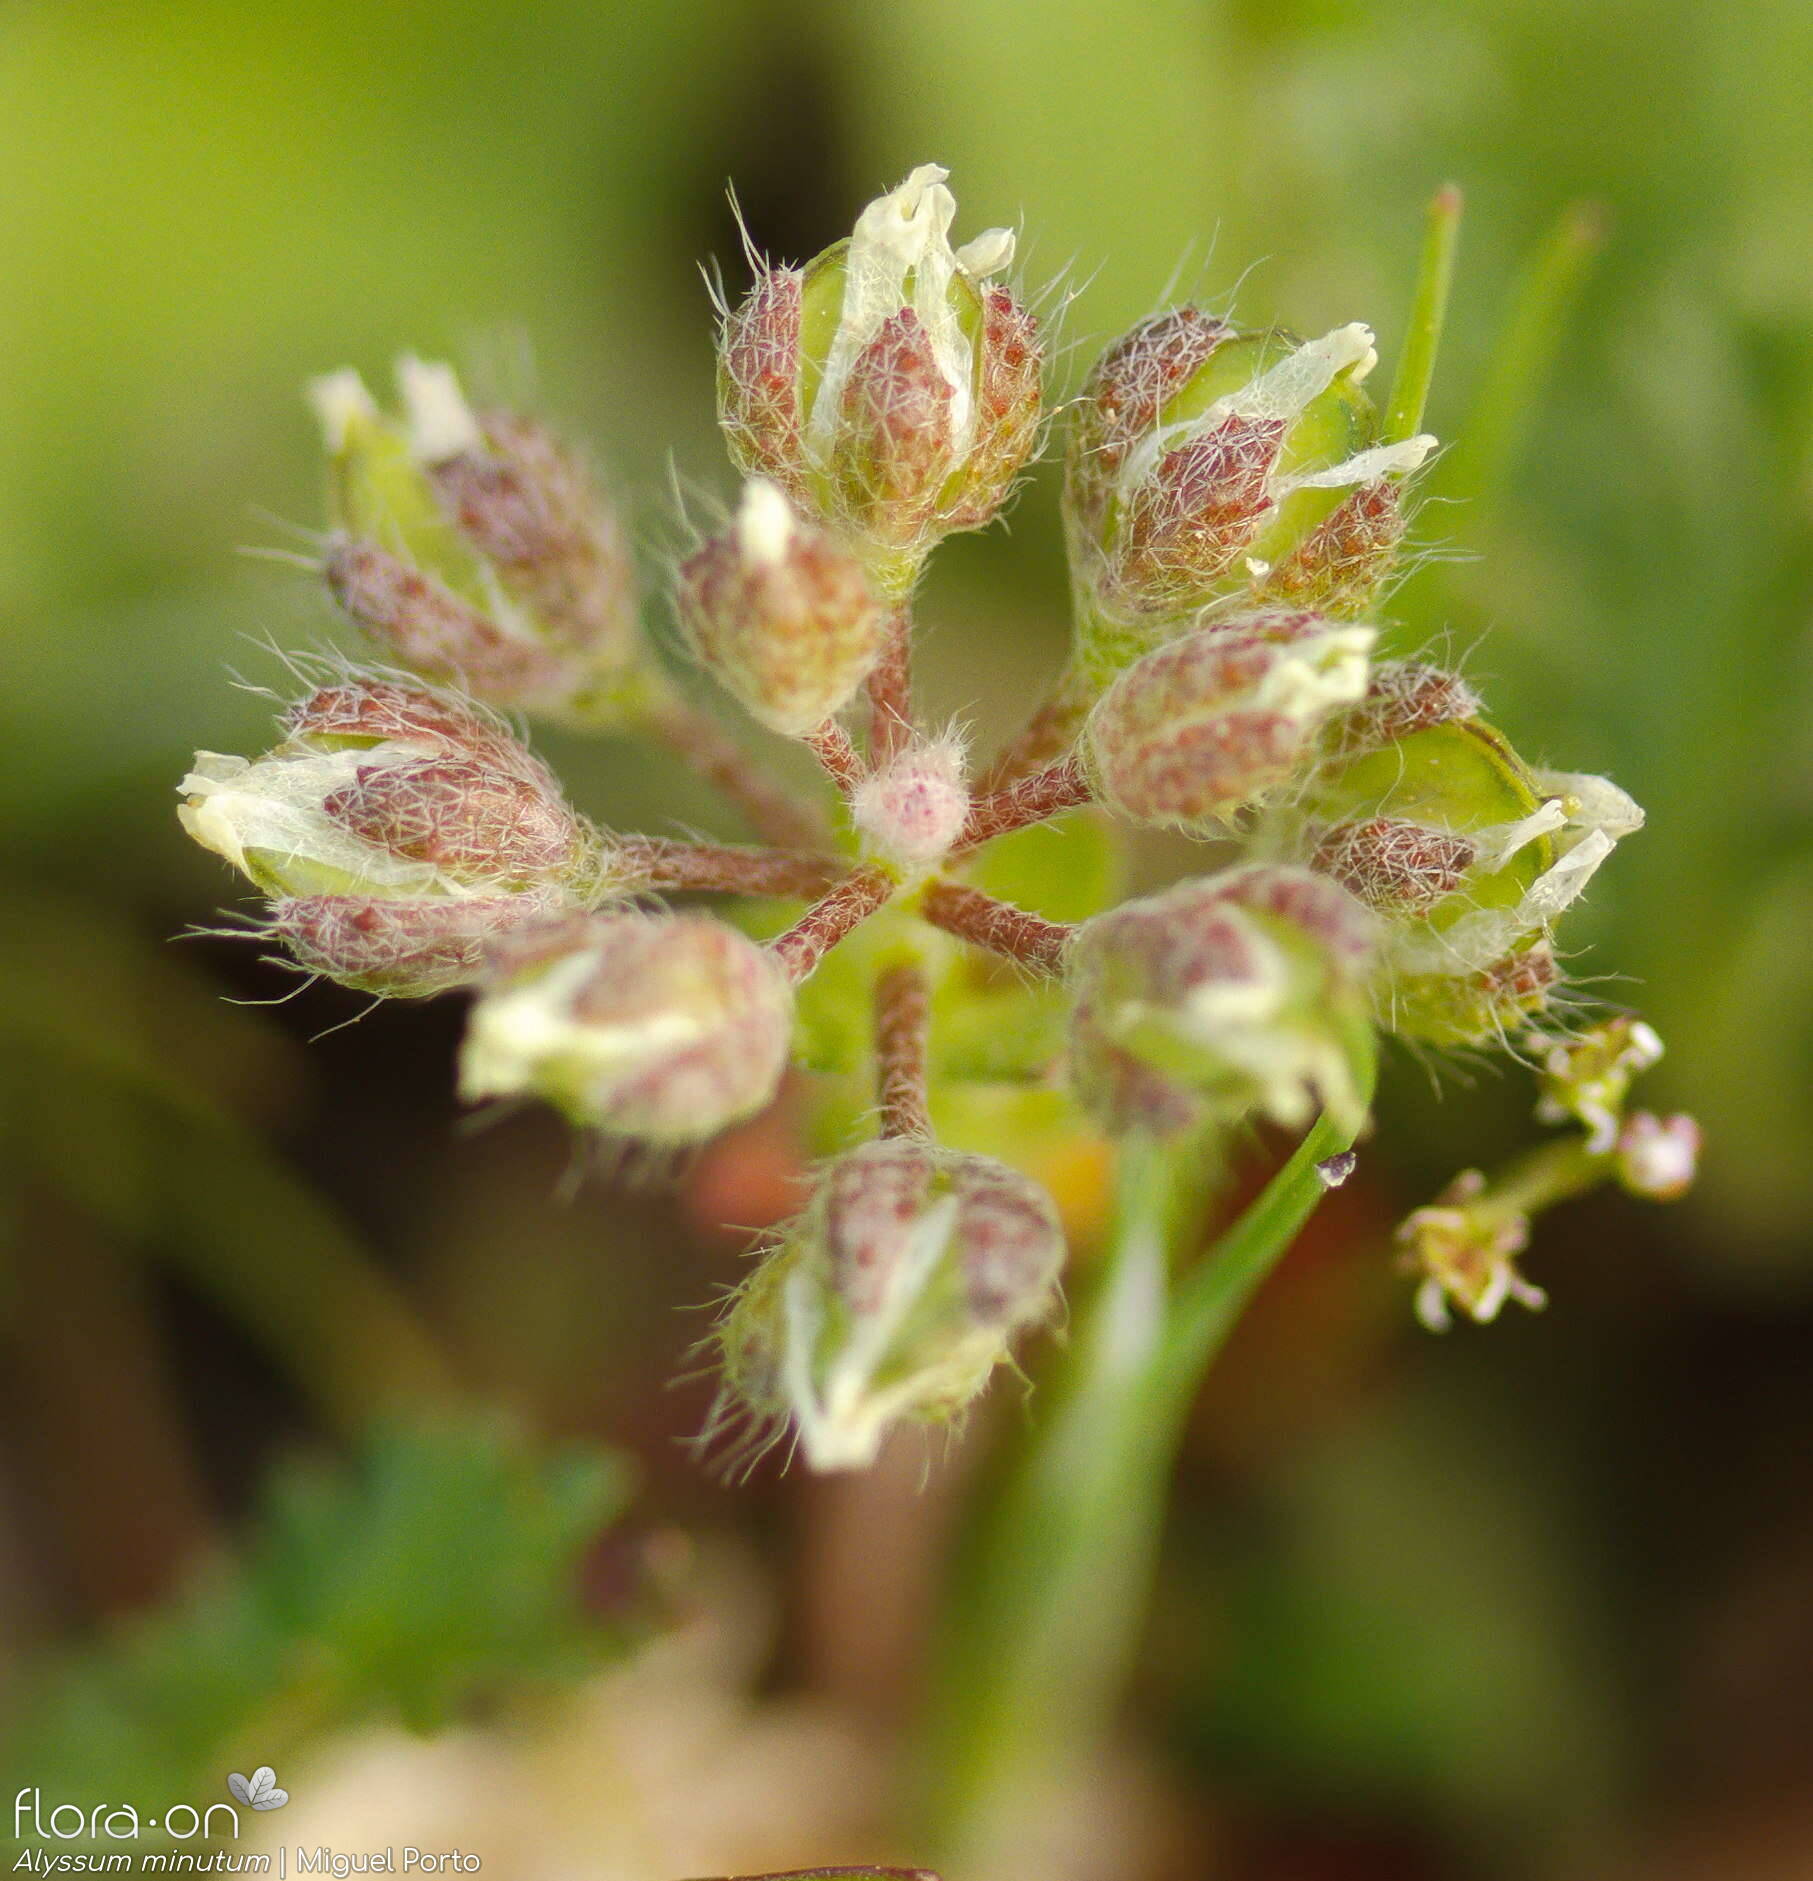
(1521, 359)
(1428, 310)
(1552, 1172)
(1050, 1587)
(1215, 1293)
(1028, 1623)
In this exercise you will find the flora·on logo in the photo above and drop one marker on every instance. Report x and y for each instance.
(262, 1791)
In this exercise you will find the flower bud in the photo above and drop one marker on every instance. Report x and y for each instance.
(1658, 1157)
(477, 549)
(1465, 1247)
(912, 809)
(393, 830)
(399, 949)
(1393, 866)
(1206, 725)
(890, 386)
(662, 1028)
(781, 613)
(892, 1298)
(1402, 696)
(1424, 812)
(1239, 992)
(1208, 465)
(1588, 1078)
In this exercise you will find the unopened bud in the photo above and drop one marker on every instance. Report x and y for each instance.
(1469, 1005)
(1658, 1157)
(890, 387)
(1232, 994)
(1198, 729)
(911, 811)
(892, 1299)
(1402, 696)
(475, 548)
(781, 613)
(424, 625)
(1207, 465)
(1343, 562)
(399, 949)
(660, 1028)
(1393, 866)
(1589, 1077)
(393, 829)
(1465, 1247)
(1471, 856)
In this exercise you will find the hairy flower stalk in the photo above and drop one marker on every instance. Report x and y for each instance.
(1063, 785)
(902, 1029)
(830, 921)
(993, 925)
(657, 863)
(1234, 507)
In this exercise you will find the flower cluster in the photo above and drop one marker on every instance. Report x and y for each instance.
(1234, 506)
(1464, 1246)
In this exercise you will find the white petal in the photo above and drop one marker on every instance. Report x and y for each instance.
(1499, 842)
(1306, 374)
(441, 424)
(1557, 887)
(765, 523)
(1479, 939)
(988, 254)
(341, 404)
(900, 236)
(1432, 1306)
(512, 1035)
(1383, 460)
(1312, 675)
(1594, 802)
(1280, 392)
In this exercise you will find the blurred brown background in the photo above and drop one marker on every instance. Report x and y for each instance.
(1536, 1600)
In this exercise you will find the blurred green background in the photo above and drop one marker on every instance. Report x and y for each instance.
(1533, 1601)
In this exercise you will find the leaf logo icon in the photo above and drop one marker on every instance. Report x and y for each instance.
(262, 1791)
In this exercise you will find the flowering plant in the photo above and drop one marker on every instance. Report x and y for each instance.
(1235, 507)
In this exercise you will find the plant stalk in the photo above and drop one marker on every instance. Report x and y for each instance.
(1049, 1590)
